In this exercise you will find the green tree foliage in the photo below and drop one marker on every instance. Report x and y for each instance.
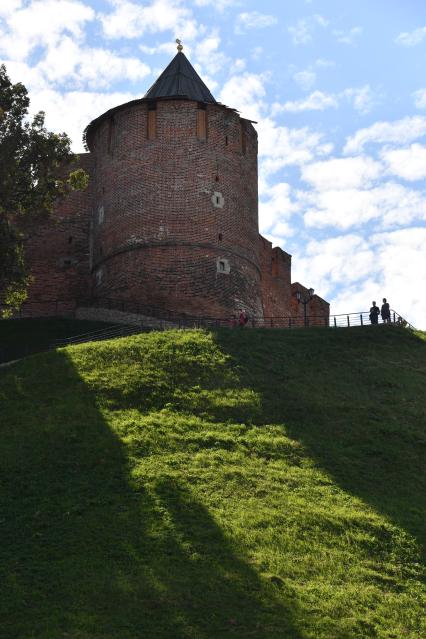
(31, 180)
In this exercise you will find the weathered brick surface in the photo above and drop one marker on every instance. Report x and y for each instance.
(276, 280)
(170, 221)
(162, 236)
(317, 309)
(57, 252)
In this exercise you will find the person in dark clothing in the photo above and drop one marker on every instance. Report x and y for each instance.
(374, 314)
(385, 312)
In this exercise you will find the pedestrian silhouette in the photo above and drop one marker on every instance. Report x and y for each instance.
(385, 312)
(374, 314)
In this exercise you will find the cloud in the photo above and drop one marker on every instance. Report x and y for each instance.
(131, 20)
(70, 63)
(42, 23)
(219, 5)
(246, 93)
(347, 37)
(207, 53)
(409, 164)
(389, 204)
(253, 20)
(342, 173)
(74, 110)
(361, 99)
(411, 38)
(302, 31)
(305, 79)
(354, 270)
(275, 208)
(398, 132)
(316, 101)
(420, 98)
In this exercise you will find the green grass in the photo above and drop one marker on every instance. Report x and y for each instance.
(192, 485)
(23, 337)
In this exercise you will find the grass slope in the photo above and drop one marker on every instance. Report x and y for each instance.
(23, 337)
(193, 485)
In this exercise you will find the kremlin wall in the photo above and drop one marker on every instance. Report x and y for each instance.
(169, 222)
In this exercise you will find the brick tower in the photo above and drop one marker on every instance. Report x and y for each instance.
(174, 195)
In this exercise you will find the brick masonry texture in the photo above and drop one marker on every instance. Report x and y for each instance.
(151, 229)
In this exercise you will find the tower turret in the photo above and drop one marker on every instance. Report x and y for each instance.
(175, 220)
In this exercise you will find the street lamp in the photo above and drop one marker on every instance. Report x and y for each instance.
(305, 301)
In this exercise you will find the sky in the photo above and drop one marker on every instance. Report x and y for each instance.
(338, 91)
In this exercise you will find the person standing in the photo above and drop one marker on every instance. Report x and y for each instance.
(374, 314)
(385, 312)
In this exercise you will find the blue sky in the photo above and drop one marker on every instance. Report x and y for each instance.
(338, 88)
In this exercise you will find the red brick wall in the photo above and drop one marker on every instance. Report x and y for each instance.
(317, 309)
(276, 278)
(57, 252)
(162, 236)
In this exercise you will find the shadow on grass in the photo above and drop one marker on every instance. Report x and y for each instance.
(85, 554)
(355, 399)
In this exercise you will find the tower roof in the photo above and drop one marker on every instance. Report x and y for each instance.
(180, 79)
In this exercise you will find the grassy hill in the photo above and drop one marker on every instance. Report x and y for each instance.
(192, 485)
(23, 337)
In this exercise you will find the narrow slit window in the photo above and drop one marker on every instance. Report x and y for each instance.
(152, 121)
(110, 136)
(243, 139)
(201, 122)
(222, 266)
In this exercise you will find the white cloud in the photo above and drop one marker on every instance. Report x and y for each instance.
(347, 37)
(420, 98)
(342, 173)
(316, 101)
(74, 110)
(409, 164)
(355, 270)
(362, 99)
(207, 53)
(411, 38)
(43, 23)
(9, 6)
(305, 79)
(79, 65)
(302, 31)
(253, 20)
(131, 20)
(397, 132)
(275, 208)
(280, 146)
(245, 92)
(219, 5)
(389, 204)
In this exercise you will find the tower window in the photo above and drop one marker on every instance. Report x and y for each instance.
(218, 200)
(243, 139)
(226, 140)
(152, 121)
(220, 237)
(201, 122)
(222, 266)
(70, 240)
(101, 214)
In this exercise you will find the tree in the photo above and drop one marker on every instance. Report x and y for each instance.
(32, 178)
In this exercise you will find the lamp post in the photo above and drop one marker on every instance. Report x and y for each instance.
(305, 302)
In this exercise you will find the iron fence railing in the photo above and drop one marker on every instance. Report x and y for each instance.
(144, 318)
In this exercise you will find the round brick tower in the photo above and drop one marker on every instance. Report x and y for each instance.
(175, 220)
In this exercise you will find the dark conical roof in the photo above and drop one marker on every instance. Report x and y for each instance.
(180, 79)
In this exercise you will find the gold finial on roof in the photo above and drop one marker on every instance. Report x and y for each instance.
(179, 44)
